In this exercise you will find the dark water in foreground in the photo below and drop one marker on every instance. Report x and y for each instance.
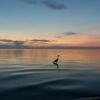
(30, 75)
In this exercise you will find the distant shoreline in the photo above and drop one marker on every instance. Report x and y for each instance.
(10, 47)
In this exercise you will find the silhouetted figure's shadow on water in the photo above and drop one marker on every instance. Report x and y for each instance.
(55, 62)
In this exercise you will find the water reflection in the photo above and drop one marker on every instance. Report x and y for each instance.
(82, 58)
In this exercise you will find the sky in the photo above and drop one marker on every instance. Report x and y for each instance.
(50, 22)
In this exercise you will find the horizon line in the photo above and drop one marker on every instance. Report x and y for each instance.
(51, 47)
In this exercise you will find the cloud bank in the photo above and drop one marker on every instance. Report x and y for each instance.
(38, 40)
(61, 35)
(69, 33)
(52, 4)
(7, 42)
(55, 6)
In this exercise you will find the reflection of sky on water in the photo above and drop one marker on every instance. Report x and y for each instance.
(68, 58)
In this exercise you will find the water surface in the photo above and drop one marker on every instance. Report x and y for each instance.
(30, 74)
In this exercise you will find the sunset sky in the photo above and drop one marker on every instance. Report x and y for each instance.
(50, 22)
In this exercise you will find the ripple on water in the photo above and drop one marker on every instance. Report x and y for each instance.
(47, 85)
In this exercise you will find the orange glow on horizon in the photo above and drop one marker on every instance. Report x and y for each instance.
(87, 43)
(79, 40)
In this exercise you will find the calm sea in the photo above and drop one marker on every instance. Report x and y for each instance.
(43, 58)
(29, 74)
